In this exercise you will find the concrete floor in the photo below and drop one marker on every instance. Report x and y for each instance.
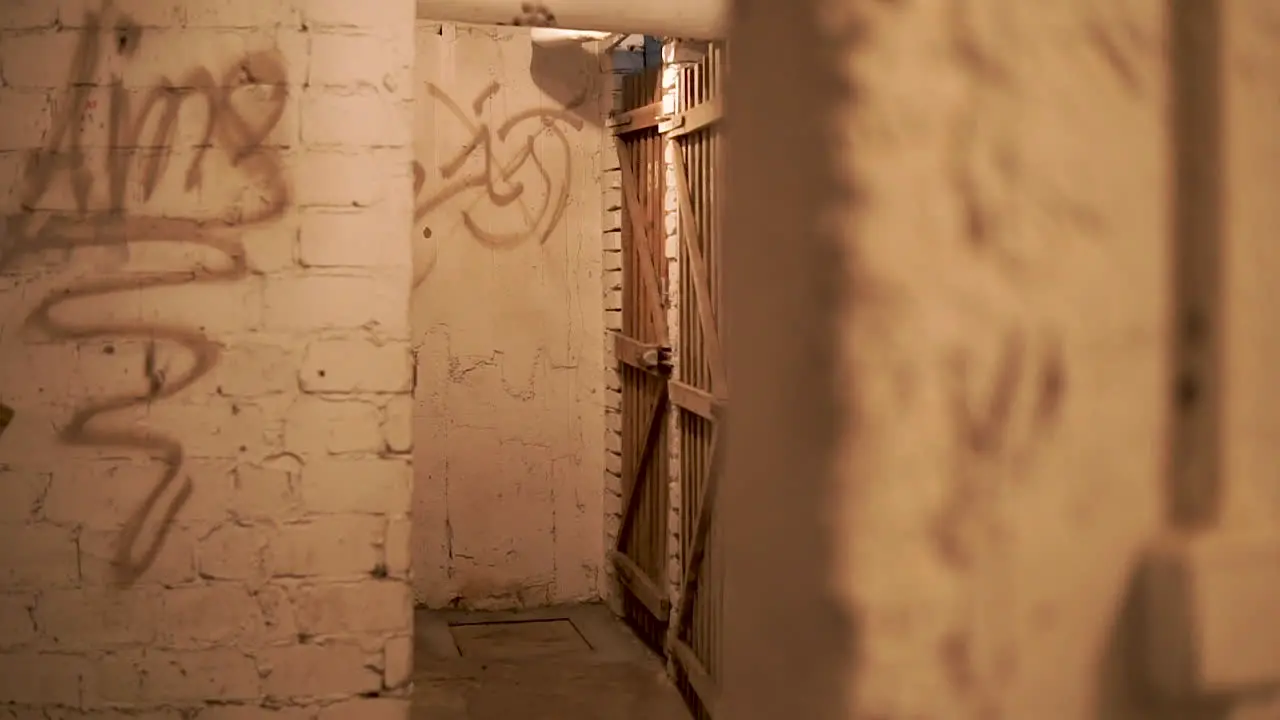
(575, 662)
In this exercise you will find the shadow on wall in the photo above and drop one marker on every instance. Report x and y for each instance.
(786, 313)
(567, 74)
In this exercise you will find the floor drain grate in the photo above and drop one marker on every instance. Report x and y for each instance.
(517, 640)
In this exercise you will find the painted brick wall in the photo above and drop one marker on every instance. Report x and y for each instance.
(671, 248)
(620, 63)
(507, 317)
(204, 282)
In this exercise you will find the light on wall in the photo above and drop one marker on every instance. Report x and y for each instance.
(557, 37)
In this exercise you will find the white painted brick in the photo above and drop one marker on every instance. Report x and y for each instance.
(213, 308)
(17, 623)
(160, 676)
(301, 671)
(318, 426)
(316, 301)
(613, 221)
(397, 662)
(194, 626)
(145, 13)
(358, 16)
(38, 555)
(217, 427)
(21, 494)
(246, 14)
(397, 424)
(364, 608)
(381, 708)
(28, 14)
(88, 618)
(339, 178)
(356, 365)
(261, 493)
(212, 615)
(350, 119)
(271, 249)
(375, 486)
(399, 544)
(26, 116)
(256, 712)
(249, 368)
(613, 300)
(265, 56)
(233, 552)
(42, 679)
(333, 546)
(351, 61)
(55, 50)
(174, 562)
(354, 238)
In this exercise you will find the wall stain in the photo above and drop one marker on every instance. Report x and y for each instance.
(499, 168)
(227, 128)
(998, 430)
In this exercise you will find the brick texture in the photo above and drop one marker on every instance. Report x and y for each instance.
(204, 276)
(611, 188)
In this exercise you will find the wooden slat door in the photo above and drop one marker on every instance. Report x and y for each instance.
(643, 350)
(700, 390)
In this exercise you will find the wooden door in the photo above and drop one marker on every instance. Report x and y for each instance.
(643, 351)
(700, 389)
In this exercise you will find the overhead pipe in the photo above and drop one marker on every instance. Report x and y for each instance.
(692, 19)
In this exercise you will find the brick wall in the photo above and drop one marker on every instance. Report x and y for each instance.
(621, 62)
(204, 333)
(671, 248)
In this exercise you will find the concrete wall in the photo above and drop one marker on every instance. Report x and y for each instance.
(972, 316)
(508, 320)
(204, 285)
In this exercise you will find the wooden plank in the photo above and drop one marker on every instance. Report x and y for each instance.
(640, 118)
(695, 400)
(641, 585)
(701, 531)
(634, 475)
(698, 272)
(640, 232)
(639, 355)
(702, 115)
(703, 684)
(6, 417)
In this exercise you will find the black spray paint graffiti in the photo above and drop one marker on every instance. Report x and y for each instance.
(496, 174)
(257, 81)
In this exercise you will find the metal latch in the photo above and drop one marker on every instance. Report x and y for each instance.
(659, 357)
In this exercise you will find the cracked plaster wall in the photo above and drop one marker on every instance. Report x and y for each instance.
(204, 270)
(508, 320)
